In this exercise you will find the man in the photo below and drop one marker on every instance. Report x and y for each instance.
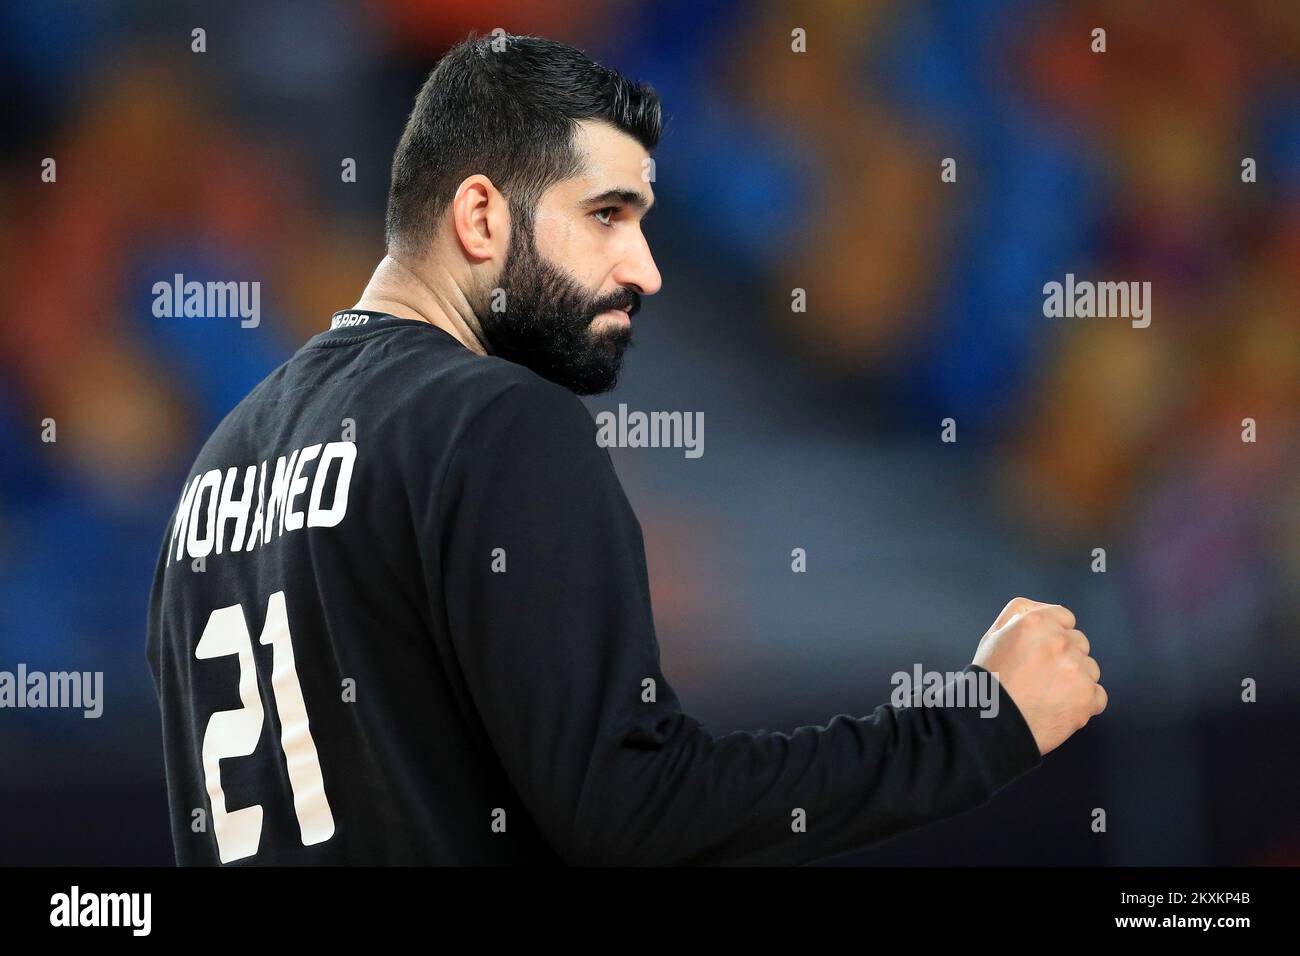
(401, 612)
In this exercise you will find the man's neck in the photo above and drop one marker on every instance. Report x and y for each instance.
(400, 290)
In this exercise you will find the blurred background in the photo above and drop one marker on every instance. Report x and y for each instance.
(777, 171)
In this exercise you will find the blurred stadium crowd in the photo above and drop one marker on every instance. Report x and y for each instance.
(777, 171)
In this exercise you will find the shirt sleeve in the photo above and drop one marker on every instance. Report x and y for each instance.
(558, 647)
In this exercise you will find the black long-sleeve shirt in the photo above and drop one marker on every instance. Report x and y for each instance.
(407, 582)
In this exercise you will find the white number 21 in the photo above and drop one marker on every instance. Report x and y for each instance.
(235, 733)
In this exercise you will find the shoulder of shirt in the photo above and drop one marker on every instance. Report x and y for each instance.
(472, 382)
(492, 396)
(494, 386)
(516, 414)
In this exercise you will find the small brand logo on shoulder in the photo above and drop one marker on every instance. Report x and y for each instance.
(343, 320)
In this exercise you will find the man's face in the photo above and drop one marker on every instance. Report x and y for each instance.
(573, 280)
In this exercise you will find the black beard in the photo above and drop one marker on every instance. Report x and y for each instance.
(546, 325)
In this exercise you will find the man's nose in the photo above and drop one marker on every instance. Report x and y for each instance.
(638, 269)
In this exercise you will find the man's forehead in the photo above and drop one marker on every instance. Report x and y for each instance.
(612, 159)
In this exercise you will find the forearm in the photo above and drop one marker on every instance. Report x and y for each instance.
(664, 791)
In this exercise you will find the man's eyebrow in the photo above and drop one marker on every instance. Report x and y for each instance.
(627, 197)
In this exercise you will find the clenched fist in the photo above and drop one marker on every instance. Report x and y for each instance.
(1042, 661)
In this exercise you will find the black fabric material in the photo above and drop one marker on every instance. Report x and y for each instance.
(500, 717)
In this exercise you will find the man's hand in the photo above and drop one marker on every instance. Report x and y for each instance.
(1041, 659)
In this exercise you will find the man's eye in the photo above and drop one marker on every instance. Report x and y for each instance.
(608, 211)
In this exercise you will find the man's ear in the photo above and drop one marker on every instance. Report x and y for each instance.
(480, 218)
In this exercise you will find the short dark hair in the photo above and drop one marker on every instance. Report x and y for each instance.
(505, 106)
